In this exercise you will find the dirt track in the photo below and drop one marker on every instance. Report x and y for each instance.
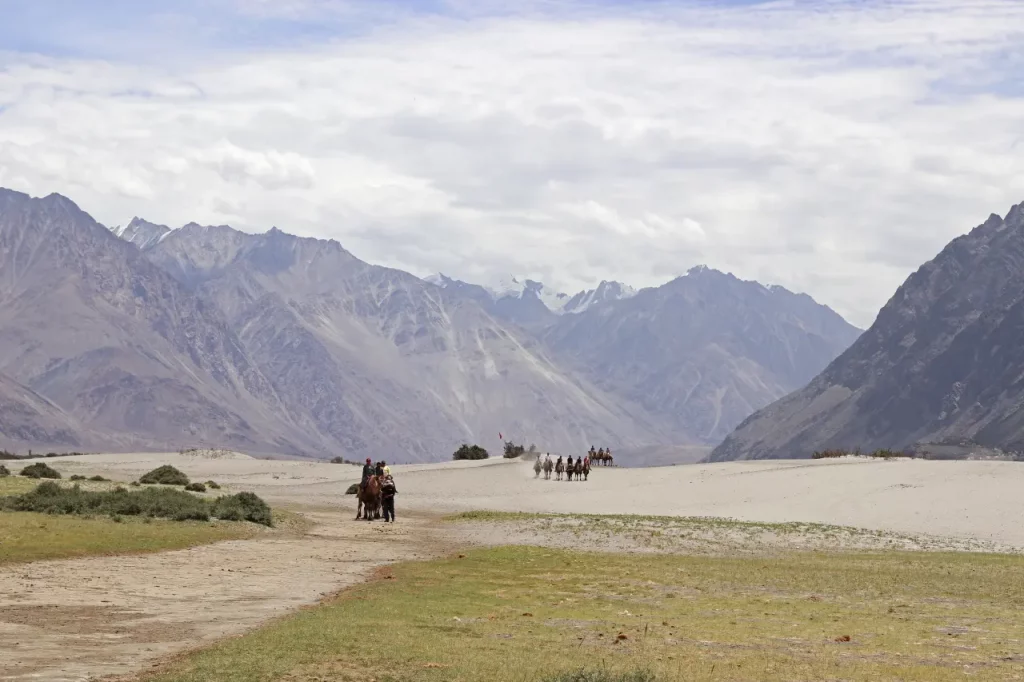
(84, 618)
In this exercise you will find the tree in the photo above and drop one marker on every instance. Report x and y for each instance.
(512, 450)
(470, 452)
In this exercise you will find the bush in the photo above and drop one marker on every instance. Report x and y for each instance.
(883, 453)
(165, 475)
(4, 454)
(243, 506)
(352, 489)
(51, 498)
(4, 471)
(196, 488)
(98, 479)
(77, 477)
(213, 485)
(338, 460)
(135, 484)
(39, 470)
(470, 452)
(512, 450)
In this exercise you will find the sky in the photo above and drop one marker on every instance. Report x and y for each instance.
(829, 146)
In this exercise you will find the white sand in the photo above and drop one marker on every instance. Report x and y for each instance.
(964, 499)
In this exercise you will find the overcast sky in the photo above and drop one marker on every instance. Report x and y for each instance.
(830, 146)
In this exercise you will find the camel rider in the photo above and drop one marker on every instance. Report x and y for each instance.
(367, 472)
(388, 490)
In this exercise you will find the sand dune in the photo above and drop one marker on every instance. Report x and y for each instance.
(964, 499)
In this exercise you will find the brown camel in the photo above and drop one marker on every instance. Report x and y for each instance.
(369, 499)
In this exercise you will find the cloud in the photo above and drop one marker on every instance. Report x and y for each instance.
(827, 146)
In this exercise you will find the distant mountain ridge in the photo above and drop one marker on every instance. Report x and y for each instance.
(270, 343)
(941, 364)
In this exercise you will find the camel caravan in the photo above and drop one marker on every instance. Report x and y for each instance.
(572, 470)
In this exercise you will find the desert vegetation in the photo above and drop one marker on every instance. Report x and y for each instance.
(164, 475)
(512, 450)
(4, 471)
(166, 503)
(884, 453)
(8, 455)
(525, 613)
(470, 452)
(40, 470)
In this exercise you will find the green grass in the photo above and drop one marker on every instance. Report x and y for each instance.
(16, 485)
(518, 614)
(27, 536)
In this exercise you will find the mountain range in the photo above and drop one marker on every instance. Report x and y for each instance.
(145, 337)
(942, 365)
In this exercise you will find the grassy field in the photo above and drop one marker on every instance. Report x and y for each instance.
(27, 536)
(518, 614)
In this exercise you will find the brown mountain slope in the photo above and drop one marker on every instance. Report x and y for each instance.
(87, 321)
(943, 362)
(378, 361)
(704, 350)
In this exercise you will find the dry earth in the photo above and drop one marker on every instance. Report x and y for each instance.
(76, 619)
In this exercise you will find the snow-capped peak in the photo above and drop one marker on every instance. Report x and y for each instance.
(512, 287)
(142, 233)
(605, 291)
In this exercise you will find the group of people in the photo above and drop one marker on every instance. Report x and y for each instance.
(578, 468)
(388, 490)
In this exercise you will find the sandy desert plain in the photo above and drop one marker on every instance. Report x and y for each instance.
(844, 569)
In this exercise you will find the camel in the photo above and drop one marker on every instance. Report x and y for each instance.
(559, 468)
(578, 469)
(586, 469)
(537, 467)
(369, 499)
(548, 466)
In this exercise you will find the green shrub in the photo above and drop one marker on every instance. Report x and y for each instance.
(470, 452)
(512, 450)
(98, 479)
(352, 489)
(135, 484)
(4, 471)
(196, 488)
(39, 470)
(168, 503)
(242, 506)
(213, 485)
(165, 475)
(76, 477)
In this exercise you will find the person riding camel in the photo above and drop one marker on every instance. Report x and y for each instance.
(367, 472)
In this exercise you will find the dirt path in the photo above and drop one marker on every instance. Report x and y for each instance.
(84, 618)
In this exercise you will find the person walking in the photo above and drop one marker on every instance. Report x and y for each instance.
(387, 494)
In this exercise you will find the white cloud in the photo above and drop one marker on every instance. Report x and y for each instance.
(825, 147)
